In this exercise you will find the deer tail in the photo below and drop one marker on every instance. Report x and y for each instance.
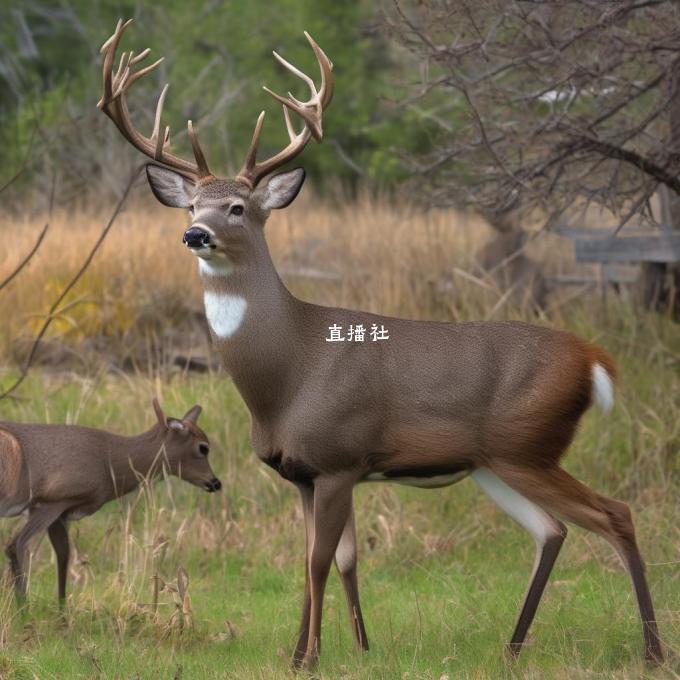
(603, 375)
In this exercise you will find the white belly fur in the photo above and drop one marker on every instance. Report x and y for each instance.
(422, 482)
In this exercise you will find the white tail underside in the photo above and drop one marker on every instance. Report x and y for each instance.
(603, 388)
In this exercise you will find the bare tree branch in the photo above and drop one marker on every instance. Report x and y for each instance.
(54, 310)
(548, 104)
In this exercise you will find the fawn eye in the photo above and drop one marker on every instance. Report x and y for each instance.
(236, 210)
(204, 449)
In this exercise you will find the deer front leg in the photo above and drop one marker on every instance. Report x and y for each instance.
(58, 534)
(346, 563)
(307, 496)
(332, 508)
(39, 520)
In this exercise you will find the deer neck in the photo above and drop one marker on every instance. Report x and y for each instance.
(133, 459)
(255, 324)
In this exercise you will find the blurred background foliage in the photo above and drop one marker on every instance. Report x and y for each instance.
(217, 57)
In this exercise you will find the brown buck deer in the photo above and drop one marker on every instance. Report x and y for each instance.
(427, 406)
(57, 473)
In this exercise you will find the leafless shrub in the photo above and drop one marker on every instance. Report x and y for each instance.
(546, 103)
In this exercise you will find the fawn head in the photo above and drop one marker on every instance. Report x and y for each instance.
(227, 214)
(187, 448)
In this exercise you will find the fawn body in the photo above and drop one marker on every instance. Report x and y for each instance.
(59, 473)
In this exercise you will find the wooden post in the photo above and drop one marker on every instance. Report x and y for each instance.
(661, 281)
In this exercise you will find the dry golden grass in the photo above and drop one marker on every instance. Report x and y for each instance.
(381, 254)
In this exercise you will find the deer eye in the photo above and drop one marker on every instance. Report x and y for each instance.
(204, 449)
(236, 210)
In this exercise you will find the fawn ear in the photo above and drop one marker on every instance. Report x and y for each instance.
(281, 190)
(169, 187)
(175, 424)
(192, 414)
(162, 420)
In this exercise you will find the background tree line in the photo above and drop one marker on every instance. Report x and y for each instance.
(217, 57)
(504, 105)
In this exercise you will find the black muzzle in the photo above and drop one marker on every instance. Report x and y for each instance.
(195, 237)
(213, 485)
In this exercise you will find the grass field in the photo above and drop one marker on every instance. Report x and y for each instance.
(442, 572)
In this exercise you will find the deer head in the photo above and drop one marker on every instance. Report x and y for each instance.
(187, 448)
(227, 214)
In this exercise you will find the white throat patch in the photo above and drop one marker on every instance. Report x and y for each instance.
(224, 312)
(214, 267)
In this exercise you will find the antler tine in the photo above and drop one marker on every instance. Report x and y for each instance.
(311, 117)
(114, 104)
(203, 170)
(310, 111)
(289, 124)
(254, 143)
(142, 55)
(326, 68)
(155, 135)
(108, 49)
(296, 71)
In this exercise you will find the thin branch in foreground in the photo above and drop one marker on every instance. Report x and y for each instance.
(39, 241)
(51, 314)
(23, 166)
(28, 257)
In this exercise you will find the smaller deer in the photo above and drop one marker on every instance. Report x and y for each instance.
(57, 473)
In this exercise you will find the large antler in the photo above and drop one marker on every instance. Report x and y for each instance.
(114, 104)
(310, 111)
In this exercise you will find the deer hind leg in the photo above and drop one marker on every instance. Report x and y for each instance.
(58, 534)
(346, 563)
(548, 532)
(39, 520)
(557, 491)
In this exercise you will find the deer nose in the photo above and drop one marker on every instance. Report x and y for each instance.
(213, 485)
(195, 237)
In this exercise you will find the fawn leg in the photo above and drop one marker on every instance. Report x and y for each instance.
(58, 535)
(39, 519)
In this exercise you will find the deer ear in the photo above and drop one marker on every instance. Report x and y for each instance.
(169, 187)
(192, 414)
(162, 420)
(281, 190)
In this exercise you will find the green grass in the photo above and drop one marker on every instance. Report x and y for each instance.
(442, 614)
(442, 572)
